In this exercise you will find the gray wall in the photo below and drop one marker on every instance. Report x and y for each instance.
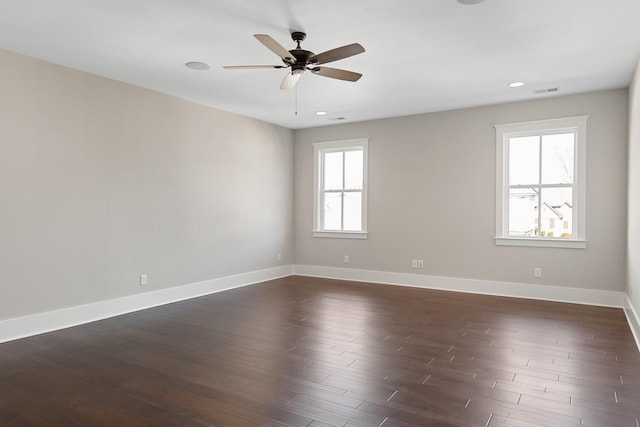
(432, 196)
(101, 181)
(633, 236)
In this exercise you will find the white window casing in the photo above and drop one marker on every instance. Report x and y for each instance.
(321, 150)
(576, 238)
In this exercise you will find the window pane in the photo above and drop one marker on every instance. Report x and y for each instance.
(557, 209)
(524, 160)
(557, 158)
(523, 212)
(353, 211)
(353, 170)
(333, 171)
(332, 211)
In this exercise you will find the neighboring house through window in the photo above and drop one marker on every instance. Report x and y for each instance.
(340, 203)
(540, 183)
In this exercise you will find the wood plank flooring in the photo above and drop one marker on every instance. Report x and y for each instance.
(314, 352)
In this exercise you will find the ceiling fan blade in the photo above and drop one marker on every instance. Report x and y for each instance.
(337, 53)
(275, 47)
(336, 73)
(251, 67)
(290, 80)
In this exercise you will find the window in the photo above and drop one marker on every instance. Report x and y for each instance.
(540, 183)
(340, 204)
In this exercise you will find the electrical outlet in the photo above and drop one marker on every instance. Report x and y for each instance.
(346, 259)
(414, 263)
(420, 263)
(537, 272)
(143, 279)
(279, 257)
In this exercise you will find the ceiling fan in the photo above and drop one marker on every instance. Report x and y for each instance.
(300, 60)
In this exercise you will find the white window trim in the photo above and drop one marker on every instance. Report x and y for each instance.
(576, 124)
(323, 147)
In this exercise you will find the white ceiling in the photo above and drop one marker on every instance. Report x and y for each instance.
(421, 55)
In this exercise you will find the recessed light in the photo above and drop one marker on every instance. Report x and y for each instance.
(321, 113)
(516, 84)
(466, 2)
(201, 66)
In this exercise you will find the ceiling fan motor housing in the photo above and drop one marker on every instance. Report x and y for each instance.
(302, 57)
(300, 60)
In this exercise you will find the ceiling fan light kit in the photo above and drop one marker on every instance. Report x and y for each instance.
(300, 60)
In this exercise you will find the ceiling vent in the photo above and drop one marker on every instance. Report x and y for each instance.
(549, 90)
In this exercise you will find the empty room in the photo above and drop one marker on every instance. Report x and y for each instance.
(291, 213)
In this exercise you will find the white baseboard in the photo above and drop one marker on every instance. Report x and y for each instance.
(486, 287)
(21, 327)
(633, 319)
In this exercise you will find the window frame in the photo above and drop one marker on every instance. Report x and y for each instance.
(576, 125)
(319, 149)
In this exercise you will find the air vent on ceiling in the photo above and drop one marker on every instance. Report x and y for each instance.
(549, 90)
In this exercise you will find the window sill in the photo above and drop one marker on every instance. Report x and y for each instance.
(541, 243)
(341, 234)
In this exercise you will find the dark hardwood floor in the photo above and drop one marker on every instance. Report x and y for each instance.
(311, 352)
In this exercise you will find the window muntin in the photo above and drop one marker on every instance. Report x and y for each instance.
(540, 183)
(340, 189)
